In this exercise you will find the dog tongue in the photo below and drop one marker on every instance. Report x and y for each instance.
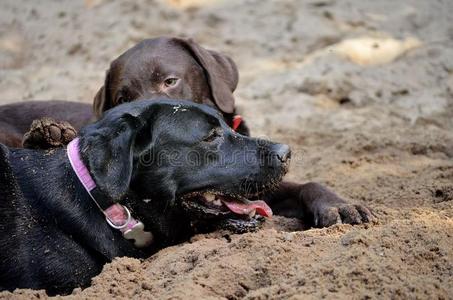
(245, 208)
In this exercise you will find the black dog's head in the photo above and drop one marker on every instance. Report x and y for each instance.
(181, 154)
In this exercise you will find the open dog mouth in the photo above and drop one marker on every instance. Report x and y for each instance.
(217, 205)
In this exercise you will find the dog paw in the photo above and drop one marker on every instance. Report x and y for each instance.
(342, 213)
(46, 133)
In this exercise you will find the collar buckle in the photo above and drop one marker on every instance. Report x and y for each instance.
(109, 217)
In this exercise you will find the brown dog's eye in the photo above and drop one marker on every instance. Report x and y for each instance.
(123, 96)
(171, 81)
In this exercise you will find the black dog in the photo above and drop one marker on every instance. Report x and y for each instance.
(168, 162)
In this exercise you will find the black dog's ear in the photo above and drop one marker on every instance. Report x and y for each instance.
(107, 148)
(221, 72)
(102, 101)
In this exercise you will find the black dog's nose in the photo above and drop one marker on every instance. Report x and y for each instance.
(283, 152)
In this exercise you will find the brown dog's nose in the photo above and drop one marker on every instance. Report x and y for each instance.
(283, 152)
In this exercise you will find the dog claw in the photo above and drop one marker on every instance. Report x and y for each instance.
(365, 213)
(343, 214)
(350, 215)
(328, 217)
(46, 133)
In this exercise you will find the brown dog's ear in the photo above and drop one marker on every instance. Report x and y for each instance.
(221, 72)
(102, 101)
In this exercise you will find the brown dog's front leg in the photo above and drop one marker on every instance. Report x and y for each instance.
(316, 205)
(46, 133)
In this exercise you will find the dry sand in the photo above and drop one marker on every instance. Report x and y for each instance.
(361, 90)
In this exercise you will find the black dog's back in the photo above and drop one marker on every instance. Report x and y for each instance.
(9, 217)
(36, 251)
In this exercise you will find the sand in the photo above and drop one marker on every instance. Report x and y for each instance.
(361, 90)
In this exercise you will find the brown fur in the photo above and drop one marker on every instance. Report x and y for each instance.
(204, 76)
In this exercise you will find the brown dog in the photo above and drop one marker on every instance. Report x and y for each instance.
(179, 69)
(155, 68)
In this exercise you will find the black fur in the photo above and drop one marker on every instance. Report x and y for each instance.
(54, 237)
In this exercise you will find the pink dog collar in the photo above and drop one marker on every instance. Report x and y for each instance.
(117, 215)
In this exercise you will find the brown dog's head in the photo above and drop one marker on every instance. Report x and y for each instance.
(171, 68)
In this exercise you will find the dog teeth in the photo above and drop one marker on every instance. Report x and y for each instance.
(209, 197)
(217, 202)
(252, 213)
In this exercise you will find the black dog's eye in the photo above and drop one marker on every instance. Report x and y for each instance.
(171, 81)
(212, 135)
